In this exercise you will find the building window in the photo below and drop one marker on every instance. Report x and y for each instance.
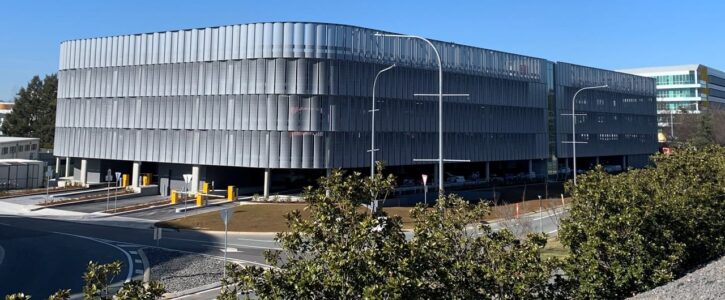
(5, 150)
(675, 93)
(27, 147)
(676, 79)
(34, 147)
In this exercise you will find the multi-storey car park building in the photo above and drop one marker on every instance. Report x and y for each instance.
(231, 104)
(685, 89)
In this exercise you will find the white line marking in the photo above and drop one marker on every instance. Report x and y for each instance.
(138, 261)
(229, 244)
(133, 252)
(550, 232)
(127, 246)
(252, 240)
(138, 271)
(128, 256)
(539, 218)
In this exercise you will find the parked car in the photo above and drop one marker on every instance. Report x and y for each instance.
(456, 179)
(612, 168)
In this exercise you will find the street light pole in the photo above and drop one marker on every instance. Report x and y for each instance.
(573, 124)
(372, 124)
(440, 104)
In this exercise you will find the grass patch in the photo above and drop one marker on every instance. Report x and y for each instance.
(554, 248)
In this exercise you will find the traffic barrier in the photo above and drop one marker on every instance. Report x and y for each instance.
(124, 180)
(200, 200)
(146, 179)
(204, 187)
(231, 195)
(174, 197)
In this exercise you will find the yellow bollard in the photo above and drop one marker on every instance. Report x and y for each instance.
(146, 179)
(124, 180)
(174, 197)
(230, 193)
(199, 200)
(204, 187)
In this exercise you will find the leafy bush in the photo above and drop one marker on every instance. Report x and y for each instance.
(344, 252)
(637, 230)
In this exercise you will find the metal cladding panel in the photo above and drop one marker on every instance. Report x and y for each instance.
(297, 95)
(618, 120)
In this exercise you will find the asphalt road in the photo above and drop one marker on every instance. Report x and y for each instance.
(41, 262)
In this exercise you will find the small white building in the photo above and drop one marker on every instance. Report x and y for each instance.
(18, 147)
(21, 174)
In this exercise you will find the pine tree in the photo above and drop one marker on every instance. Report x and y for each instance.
(34, 112)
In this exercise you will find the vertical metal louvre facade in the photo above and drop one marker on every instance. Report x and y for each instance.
(296, 95)
(617, 120)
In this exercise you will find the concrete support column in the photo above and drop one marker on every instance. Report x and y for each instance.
(531, 166)
(135, 174)
(84, 171)
(624, 162)
(266, 182)
(194, 179)
(597, 160)
(67, 167)
(566, 163)
(488, 171)
(57, 165)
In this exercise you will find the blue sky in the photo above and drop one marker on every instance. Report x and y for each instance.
(606, 34)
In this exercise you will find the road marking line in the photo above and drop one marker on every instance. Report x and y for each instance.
(128, 256)
(228, 244)
(127, 246)
(252, 240)
(133, 252)
(550, 215)
(138, 261)
(138, 272)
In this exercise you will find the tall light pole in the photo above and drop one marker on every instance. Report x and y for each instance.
(440, 106)
(573, 124)
(372, 124)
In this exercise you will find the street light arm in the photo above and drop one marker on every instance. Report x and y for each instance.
(438, 57)
(573, 124)
(440, 100)
(590, 88)
(372, 123)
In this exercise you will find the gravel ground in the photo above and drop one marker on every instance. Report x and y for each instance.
(707, 282)
(180, 271)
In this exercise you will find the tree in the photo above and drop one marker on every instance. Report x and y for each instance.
(34, 112)
(344, 252)
(631, 232)
(98, 278)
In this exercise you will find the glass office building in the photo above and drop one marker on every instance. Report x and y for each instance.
(684, 89)
(225, 102)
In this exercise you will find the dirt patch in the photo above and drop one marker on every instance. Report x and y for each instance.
(137, 206)
(246, 218)
(271, 217)
(38, 191)
(84, 198)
